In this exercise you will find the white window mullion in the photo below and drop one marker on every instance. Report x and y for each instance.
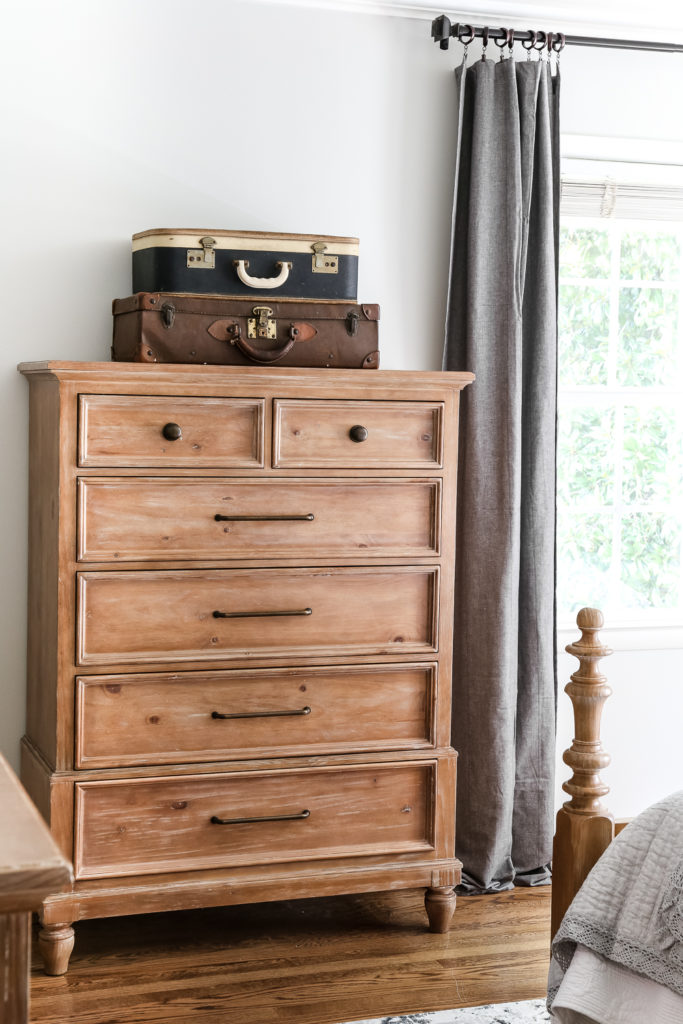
(613, 384)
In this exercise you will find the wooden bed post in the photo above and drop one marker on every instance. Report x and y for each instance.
(584, 827)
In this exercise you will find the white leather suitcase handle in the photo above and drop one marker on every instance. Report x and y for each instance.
(262, 282)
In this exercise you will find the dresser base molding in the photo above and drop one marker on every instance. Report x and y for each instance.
(195, 890)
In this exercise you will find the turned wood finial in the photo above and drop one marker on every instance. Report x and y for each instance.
(584, 827)
(588, 691)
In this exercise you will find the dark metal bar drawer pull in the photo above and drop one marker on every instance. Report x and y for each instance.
(263, 714)
(269, 817)
(308, 518)
(250, 615)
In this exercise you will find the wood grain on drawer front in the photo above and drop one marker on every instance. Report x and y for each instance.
(165, 617)
(126, 430)
(160, 718)
(148, 518)
(314, 434)
(146, 826)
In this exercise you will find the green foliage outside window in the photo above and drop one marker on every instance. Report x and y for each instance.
(648, 336)
(584, 317)
(620, 437)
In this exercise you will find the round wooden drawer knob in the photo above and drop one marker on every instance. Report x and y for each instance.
(358, 433)
(172, 432)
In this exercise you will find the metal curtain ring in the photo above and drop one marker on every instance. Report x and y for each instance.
(558, 42)
(465, 33)
(529, 44)
(511, 39)
(539, 42)
(502, 41)
(549, 42)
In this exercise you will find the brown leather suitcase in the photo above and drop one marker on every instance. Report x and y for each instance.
(168, 327)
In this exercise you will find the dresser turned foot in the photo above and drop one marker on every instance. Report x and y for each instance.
(55, 942)
(440, 906)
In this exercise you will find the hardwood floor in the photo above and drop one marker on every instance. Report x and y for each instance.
(317, 961)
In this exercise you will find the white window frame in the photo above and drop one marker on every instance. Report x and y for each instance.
(626, 160)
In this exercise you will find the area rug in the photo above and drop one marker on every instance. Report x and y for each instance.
(531, 1011)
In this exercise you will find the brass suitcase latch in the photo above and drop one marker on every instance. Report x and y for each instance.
(204, 258)
(260, 325)
(323, 264)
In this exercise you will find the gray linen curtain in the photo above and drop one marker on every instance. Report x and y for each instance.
(502, 324)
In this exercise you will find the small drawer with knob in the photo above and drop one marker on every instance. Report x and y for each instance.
(136, 431)
(310, 434)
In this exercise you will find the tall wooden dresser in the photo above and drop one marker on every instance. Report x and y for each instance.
(240, 635)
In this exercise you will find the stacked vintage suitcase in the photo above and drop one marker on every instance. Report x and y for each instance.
(245, 298)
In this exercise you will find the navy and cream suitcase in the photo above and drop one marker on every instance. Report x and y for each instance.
(246, 263)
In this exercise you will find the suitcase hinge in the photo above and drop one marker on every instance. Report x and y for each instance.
(260, 325)
(204, 258)
(323, 264)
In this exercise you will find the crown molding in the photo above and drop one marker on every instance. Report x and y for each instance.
(659, 21)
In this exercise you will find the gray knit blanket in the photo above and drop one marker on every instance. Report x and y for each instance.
(630, 908)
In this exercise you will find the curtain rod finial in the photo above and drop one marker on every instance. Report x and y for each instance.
(441, 31)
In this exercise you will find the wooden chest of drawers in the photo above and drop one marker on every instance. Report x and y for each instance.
(240, 635)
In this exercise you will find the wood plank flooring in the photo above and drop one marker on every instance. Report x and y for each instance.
(317, 961)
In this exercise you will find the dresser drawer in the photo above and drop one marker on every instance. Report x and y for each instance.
(131, 430)
(220, 614)
(149, 519)
(162, 718)
(146, 826)
(357, 435)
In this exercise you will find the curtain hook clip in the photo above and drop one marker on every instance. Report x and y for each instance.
(503, 41)
(484, 41)
(548, 46)
(465, 35)
(529, 44)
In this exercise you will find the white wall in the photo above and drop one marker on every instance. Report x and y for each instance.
(122, 115)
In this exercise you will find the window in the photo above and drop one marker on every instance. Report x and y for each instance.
(620, 428)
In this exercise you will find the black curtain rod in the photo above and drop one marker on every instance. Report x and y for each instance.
(443, 31)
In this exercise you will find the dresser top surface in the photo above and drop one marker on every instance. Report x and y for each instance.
(157, 373)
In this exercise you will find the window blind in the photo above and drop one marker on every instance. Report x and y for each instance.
(611, 198)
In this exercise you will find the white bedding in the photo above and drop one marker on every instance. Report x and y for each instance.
(630, 908)
(595, 990)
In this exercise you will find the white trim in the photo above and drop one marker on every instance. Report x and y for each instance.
(654, 162)
(663, 20)
(630, 638)
(621, 150)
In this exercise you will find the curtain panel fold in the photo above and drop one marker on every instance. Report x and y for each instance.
(502, 324)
